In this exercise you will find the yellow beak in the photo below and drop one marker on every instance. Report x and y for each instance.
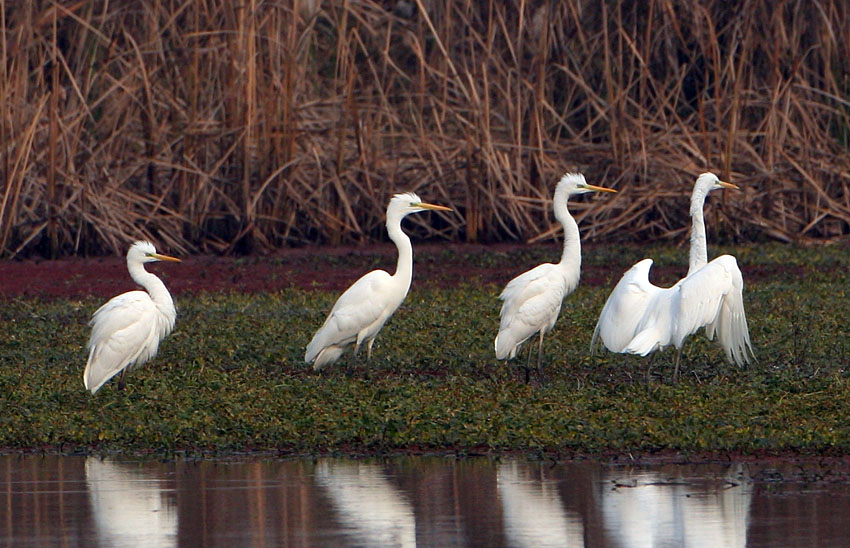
(165, 258)
(425, 205)
(728, 185)
(599, 188)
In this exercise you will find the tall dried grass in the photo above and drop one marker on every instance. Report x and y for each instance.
(222, 126)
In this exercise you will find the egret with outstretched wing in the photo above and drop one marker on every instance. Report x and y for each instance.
(640, 317)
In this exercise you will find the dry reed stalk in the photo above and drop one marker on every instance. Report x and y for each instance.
(220, 127)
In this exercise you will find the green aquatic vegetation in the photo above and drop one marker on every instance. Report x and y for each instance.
(232, 378)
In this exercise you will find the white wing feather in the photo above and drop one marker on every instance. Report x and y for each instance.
(711, 297)
(697, 300)
(532, 302)
(730, 322)
(124, 334)
(357, 317)
(625, 307)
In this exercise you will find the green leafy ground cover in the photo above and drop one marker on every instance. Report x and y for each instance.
(231, 377)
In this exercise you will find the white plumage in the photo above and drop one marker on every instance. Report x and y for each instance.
(363, 309)
(126, 331)
(532, 300)
(640, 317)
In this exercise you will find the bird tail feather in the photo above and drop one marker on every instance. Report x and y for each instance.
(644, 342)
(327, 356)
(506, 346)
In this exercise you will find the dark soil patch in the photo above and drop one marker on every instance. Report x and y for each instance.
(324, 268)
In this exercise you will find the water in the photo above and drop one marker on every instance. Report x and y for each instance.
(423, 501)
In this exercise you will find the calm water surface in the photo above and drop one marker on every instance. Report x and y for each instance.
(422, 501)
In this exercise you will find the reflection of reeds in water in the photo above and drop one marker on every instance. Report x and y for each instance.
(226, 126)
(129, 507)
(650, 509)
(368, 506)
(534, 514)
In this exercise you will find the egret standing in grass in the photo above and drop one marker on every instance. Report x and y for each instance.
(363, 309)
(640, 317)
(532, 301)
(126, 331)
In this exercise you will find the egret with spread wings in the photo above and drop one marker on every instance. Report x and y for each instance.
(532, 300)
(640, 317)
(363, 309)
(126, 331)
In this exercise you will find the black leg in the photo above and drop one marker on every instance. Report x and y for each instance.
(676, 369)
(649, 368)
(528, 364)
(540, 354)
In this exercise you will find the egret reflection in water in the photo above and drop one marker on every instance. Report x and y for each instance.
(370, 508)
(67, 501)
(130, 507)
(649, 509)
(534, 514)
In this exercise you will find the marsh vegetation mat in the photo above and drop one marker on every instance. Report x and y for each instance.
(231, 378)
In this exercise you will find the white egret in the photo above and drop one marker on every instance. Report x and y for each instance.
(532, 301)
(363, 309)
(640, 317)
(126, 331)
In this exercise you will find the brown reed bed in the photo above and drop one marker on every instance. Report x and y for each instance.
(216, 126)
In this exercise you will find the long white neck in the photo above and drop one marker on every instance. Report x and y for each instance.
(404, 266)
(699, 245)
(153, 285)
(571, 256)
